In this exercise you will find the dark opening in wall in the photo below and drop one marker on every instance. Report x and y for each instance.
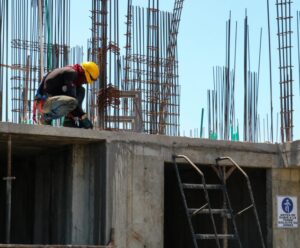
(57, 195)
(39, 197)
(176, 230)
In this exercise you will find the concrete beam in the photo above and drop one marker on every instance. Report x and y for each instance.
(290, 154)
(52, 246)
(201, 151)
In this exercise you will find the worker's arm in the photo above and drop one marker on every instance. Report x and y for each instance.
(60, 81)
(68, 86)
(84, 122)
(80, 94)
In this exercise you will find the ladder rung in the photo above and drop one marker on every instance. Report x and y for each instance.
(201, 186)
(245, 209)
(206, 211)
(212, 236)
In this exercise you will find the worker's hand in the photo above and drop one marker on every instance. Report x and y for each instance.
(85, 123)
(69, 89)
(35, 103)
(34, 119)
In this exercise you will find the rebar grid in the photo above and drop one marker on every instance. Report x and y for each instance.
(141, 86)
(170, 83)
(104, 50)
(284, 33)
(145, 63)
(140, 72)
(39, 42)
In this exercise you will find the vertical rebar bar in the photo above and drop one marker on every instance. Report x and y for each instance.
(270, 70)
(245, 78)
(169, 69)
(298, 45)
(8, 179)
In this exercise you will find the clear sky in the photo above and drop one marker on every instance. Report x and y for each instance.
(201, 44)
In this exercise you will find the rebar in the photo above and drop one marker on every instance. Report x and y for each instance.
(270, 70)
(170, 83)
(145, 63)
(104, 50)
(298, 45)
(8, 180)
(222, 122)
(251, 89)
(245, 77)
(33, 23)
(40, 40)
(284, 33)
(4, 24)
(221, 100)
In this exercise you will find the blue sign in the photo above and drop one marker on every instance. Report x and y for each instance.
(287, 205)
(287, 216)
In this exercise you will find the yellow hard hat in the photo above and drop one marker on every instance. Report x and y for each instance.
(91, 71)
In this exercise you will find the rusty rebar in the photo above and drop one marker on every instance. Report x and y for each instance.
(8, 180)
(285, 68)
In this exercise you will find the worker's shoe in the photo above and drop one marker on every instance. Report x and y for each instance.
(70, 122)
(46, 120)
(86, 123)
(83, 122)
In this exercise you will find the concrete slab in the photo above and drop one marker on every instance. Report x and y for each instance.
(31, 138)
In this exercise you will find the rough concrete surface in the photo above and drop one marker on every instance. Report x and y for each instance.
(101, 185)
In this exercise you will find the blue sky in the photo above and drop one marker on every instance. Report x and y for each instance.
(201, 44)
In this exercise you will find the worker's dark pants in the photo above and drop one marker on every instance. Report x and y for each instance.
(58, 106)
(80, 94)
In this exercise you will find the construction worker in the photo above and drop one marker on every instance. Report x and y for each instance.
(61, 94)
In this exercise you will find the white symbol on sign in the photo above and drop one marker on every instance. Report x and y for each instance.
(287, 205)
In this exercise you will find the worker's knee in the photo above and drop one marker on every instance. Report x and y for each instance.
(72, 103)
(59, 106)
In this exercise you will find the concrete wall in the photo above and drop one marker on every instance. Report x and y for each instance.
(101, 185)
(285, 182)
(136, 182)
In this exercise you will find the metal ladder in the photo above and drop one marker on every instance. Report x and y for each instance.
(226, 211)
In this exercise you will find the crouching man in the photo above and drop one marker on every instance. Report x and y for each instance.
(61, 93)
